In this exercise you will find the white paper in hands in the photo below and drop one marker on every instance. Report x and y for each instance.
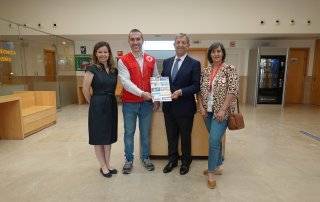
(160, 89)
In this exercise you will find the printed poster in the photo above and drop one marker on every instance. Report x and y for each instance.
(160, 89)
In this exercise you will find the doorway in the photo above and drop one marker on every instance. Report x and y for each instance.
(315, 86)
(296, 73)
(50, 65)
(5, 72)
(199, 54)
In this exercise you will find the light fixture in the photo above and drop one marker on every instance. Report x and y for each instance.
(292, 21)
(308, 22)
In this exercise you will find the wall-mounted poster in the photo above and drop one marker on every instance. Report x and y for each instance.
(82, 62)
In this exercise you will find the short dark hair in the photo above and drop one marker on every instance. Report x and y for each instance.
(110, 61)
(215, 46)
(135, 30)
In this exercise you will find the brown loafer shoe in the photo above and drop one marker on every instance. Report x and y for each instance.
(216, 172)
(212, 184)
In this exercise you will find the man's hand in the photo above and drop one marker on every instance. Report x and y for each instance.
(156, 105)
(146, 95)
(176, 94)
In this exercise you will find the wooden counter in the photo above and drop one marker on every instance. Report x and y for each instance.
(10, 118)
(199, 137)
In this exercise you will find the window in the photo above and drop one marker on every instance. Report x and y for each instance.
(160, 50)
(158, 45)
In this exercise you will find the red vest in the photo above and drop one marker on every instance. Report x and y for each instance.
(141, 80)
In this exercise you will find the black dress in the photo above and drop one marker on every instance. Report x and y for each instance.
(103, 110)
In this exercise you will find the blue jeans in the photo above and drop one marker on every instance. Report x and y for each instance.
(216, 130)
(142, 110)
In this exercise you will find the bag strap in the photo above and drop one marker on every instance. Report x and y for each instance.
(238, 106)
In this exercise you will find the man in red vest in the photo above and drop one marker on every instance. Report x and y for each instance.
(135, 70)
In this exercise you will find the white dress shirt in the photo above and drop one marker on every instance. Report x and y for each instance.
(179, 63)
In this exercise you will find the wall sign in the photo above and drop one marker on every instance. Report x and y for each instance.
(82, 62)
(5, 55)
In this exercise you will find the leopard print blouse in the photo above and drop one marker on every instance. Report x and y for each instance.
(225, 82)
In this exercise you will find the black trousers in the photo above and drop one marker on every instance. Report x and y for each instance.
(176, 126)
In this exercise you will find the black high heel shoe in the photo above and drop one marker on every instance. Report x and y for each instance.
(113, 171)
(108, 175)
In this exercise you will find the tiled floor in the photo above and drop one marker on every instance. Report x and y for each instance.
(269, 160)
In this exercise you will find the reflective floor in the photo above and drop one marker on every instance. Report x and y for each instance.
(269, 160)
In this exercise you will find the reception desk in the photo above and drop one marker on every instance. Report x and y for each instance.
(199, 137)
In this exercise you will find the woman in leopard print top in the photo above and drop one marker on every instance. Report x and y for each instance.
(218, 92)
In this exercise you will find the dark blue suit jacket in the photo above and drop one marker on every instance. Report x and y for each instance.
(188, 80)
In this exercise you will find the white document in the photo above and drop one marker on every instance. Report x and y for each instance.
(160, 89)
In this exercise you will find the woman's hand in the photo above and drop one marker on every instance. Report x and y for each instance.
(203, 112)
(220, 115)
(86, 85)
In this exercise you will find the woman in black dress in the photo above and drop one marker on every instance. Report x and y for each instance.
(103, 112)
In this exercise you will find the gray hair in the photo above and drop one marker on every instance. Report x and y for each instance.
(182, 35)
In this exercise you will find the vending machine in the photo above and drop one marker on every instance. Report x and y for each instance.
(271, 79)
(266, 75)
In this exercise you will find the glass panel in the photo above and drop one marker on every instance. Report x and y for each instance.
(40, 62)
(11, 59)
(66, 73)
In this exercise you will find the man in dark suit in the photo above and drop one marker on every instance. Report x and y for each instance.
(184, 75)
